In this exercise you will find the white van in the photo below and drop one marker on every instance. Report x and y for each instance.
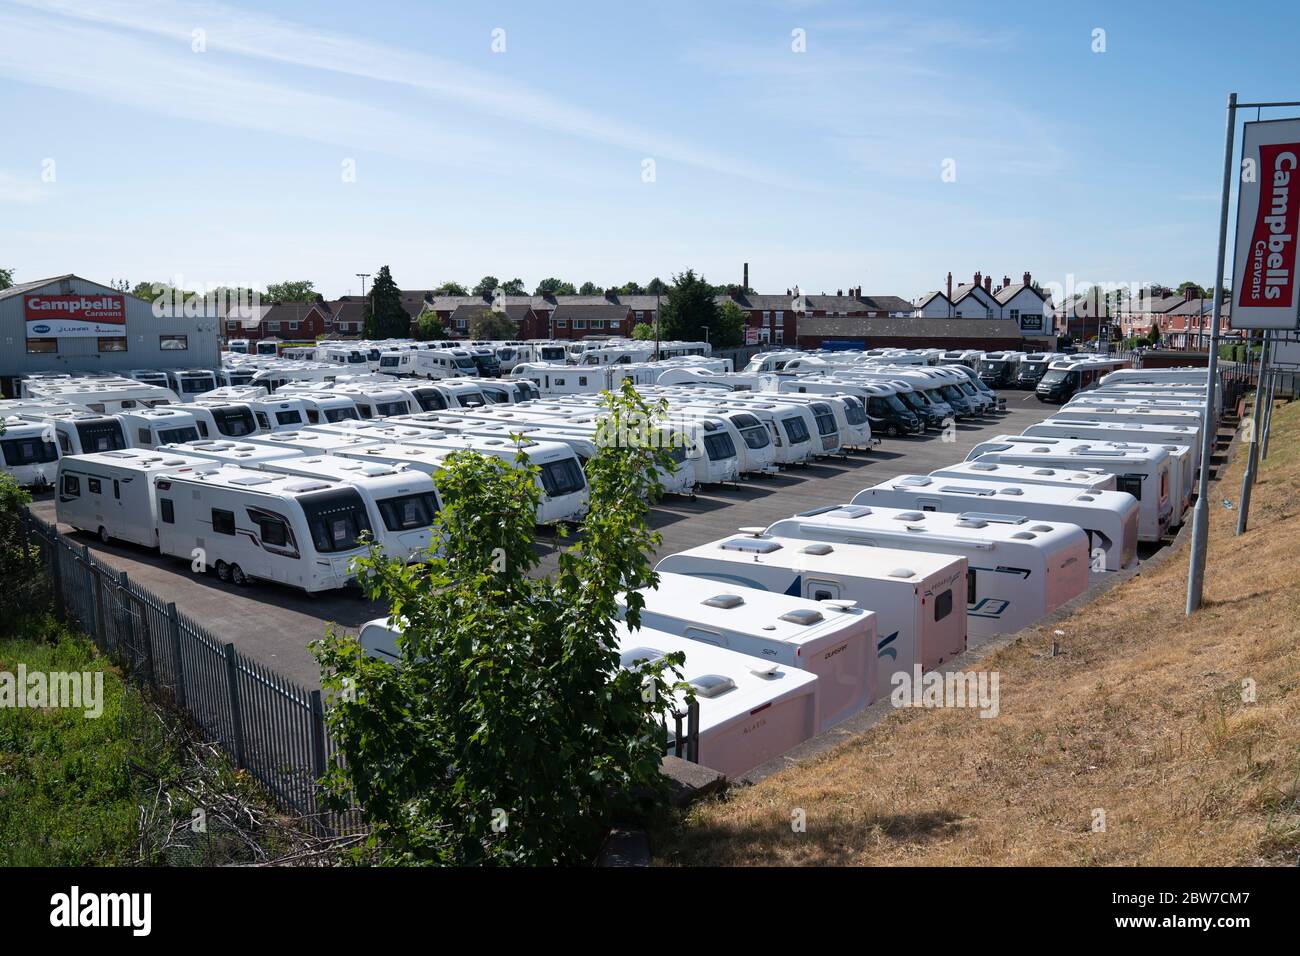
(29, 452)
(1018, 569)
(1144, 471)
(111, 493)
(913, 595)
(1110, 518)
(151, 427)
(252, 525)
(833, 639)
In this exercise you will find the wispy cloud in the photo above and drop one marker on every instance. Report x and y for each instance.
(256, 35)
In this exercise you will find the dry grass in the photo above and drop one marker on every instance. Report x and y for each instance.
(1141, 716)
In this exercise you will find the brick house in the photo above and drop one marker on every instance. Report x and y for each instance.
(292, 321)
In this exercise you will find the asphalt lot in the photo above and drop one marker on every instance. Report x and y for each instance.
(274, 624)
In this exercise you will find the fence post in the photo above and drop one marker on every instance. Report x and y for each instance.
(232, 690)
(99, 601)
(318, 763)
(146, 635)
(174, 630)
(56, 576)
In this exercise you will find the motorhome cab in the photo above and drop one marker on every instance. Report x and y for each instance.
(834, 640)
(999, 369)
(912, 594)
(402, 502)
(30, 452)
(188, 383)
(111, 493)
(1144, 471)
(1033, 366)
(1110, 518)
(151, 427)
(1018, 569)
(252, 525)
(231, 419)
(79, 433)
(1081, 479)
(1067, 377)
(559, 477)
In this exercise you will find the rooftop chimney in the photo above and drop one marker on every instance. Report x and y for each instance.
(1026, 281)
(988, 283)
(1006, 281)
(745, 282)
(839, 291)
(950, 285)
(1189, 294)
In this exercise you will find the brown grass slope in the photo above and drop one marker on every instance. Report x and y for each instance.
(1141, 716)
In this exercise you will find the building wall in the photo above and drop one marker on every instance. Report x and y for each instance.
(936, 308)
(1030, 315)
(143, 331)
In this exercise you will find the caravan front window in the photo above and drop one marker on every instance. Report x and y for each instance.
(795, 430)
(101, 436)
(562, 477)
(29, 451)
(336, 519)
(234, 422)
(173, 436)
(719, 446)
(288, 418)
(430, 400)
(391, 408)
(408, 511)
(339, 414)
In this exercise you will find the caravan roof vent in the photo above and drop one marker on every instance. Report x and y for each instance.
(1009, 490)
(839, 604)
(910, 516)
(250, 480)
(852, 511)
(765, 669)
(983, 466)
(307, 486)
(751, 545)
(1046, 472)
(1024, 536)
(987, 518)
(915, 481)
(1087, 498)
(817, 547)
(1041, 527)
(802, 615)
(712, 685)
(902, 573)
(724, 601)
(965, 521)
(638, 655)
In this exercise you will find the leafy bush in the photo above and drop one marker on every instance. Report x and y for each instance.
(23, 586)
(509, 733)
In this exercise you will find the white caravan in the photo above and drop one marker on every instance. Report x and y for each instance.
(1018, 569)
(215, 418)
(312, 443)
(252, 525)
(912, 594)
(1095, 411)
(327, 407)
(402, 502)
(444, 363)
(190, 383)
(750, 710)
(1118, 429)
(563, 486)
(151, 427)
(80, 433)
(834, 640)
(99, 395)
(1110, 518)
(1082, 479)
(111, 493)
(791, 425)
(279, 413)
(847, 414)
(29, 452)
(224, 451)
(1144, 471)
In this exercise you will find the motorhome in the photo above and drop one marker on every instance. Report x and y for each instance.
(832, 639)
(508, 392)
(79, 433)
(1144, 471)
(238, 346)
(267, 347)
(999, 403)
(1032, 368)
(913, 594)
(999, 369)
(1066, 378)
(445, 363)
(775, 361)
(110, 493)
(335, 354)
(1082, 479)
(617, 354)
(30, 452)
(1110, 518)
(945, 386)
(1018, 569)
(151, 427)
(485, 358)
(884, 412)
(922, 397)
(402, 502)
(249, 525)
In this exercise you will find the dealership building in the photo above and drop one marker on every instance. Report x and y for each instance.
(70, 324)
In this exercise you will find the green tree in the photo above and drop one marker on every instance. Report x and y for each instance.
(630, 288)
(656, 286)
(6, 278)
(590, 288)
(508, 733)
(730, 329)
(295, 290)
(643, 332)
(514, 287)
(486, 286)
(490, 325)
(428, 326)
(1198, 291)
(451, 288)
(384, 316)
(690, 308)
(555, 287)
(22, 576)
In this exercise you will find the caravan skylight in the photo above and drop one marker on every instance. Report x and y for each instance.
(989, 518)
(638, 655)
(751, 545)
(724, 601)
(802, 615)
(711, 685)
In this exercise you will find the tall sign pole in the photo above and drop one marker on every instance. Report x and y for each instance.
(1201, 514)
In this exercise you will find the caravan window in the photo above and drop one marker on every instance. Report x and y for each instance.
(408, 511)
(167, 510)
(274, 532)
(263, 421)
(29, 451)
(1130, 483)
(234, 422)
(65, 446)
(93, 486)
(336, 519)
(970, 586)
(795, 430)
(71, 487)
(339, 414)
(171, 436)
(391, 408)
(471, 401)
(719, 446)
(101, 436)
(142, 434)
(943, 605)
(562, 477)
(430, 400)
(288, 418)
(223, 522)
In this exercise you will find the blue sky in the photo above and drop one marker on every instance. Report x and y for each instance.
(820, 168)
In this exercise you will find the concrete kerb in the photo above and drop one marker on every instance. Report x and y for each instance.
(824, 742)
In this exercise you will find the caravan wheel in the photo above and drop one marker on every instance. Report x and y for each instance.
(103, 535)
(223, 571)
(238, 576)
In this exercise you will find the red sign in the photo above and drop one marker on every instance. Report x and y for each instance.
(1270, 264)
(100, 308)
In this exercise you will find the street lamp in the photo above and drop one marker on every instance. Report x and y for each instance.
(363, 276)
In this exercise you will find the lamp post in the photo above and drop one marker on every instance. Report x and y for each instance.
(363, 276)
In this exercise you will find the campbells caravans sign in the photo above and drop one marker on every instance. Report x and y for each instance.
(1264, 286)
(74, 315)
